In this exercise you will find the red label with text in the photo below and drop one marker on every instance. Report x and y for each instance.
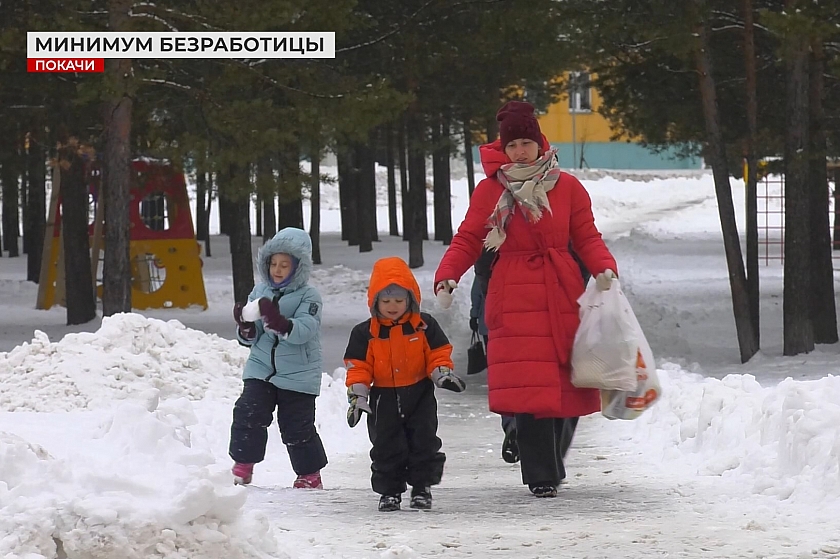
(64, 65)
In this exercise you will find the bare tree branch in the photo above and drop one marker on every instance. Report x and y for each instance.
(189, 17)
(736, 27)
(167, 83)
(132, 13)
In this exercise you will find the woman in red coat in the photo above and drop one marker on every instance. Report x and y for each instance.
(529, 212)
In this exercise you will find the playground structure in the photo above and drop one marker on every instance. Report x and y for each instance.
(164, 254)
(771, 215)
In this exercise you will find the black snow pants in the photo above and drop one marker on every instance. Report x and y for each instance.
(403, 431)
(252, 415)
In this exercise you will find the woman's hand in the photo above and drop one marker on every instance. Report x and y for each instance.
(604, 280)
(443, 293)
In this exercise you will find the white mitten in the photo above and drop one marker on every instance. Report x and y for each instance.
(443, 293)
(604, 280)
(251, 311)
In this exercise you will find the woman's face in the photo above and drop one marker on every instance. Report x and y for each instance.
(522, 150)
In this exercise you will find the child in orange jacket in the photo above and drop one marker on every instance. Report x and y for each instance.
(394, 361)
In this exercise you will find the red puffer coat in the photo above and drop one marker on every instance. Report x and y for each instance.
(531, 310)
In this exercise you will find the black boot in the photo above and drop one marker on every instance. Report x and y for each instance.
(543, 489)
(421, 498)
(388, 503)
(510, 448)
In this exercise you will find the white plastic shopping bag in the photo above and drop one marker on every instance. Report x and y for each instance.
(606, 343)
(617, 404)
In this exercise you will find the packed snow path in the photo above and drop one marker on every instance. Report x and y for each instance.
(615, 504)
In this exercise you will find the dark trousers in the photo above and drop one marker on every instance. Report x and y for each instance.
(543, 444)
(403, 431)
(252, 415)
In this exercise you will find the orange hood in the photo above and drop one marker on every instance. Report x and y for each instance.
(393, 270)
(493, 155)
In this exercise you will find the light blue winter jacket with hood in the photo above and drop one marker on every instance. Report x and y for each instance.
(293, 362)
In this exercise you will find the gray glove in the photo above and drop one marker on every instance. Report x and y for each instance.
(604, 280)
(357, 397)
(443, 377)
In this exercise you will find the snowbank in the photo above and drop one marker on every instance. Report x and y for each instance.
(136, 416)
(141, 491)
(781, 440)
(126, 356)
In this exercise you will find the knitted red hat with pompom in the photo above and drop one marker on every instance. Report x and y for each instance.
(517, 121)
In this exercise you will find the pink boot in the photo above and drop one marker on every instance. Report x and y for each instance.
(242, 473)
(309, 481)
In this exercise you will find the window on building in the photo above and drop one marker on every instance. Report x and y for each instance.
(580, 92)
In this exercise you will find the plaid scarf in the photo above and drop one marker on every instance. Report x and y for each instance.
(527, 185)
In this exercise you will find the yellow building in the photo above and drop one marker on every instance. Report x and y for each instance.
(583, 136)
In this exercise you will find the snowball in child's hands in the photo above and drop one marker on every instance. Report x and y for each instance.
(251, 312)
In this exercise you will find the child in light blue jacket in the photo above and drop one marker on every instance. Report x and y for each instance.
(283, 371)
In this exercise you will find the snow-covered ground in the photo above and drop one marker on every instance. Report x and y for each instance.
(113, 435)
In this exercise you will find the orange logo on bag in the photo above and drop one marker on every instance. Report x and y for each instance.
(640, 361)
(643, 402)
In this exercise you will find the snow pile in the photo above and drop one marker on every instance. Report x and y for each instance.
(619, 205)
(137, 489)
(137, 419)
(341, 280)
(126, 356)
(638, 175)
(780, 440)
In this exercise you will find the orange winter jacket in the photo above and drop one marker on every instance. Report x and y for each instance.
(387, 353)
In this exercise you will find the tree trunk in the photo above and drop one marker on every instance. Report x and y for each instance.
(206, 225)
(798, 328)
(200, 204)
(390, 163)
(373, 146)
(404, 198)
(753, 290)
(348, 195)
(291, 214)
(24, 197)
(266, 188)
(259, 202)
(342, 158)
(225, 215)
(442, 183)
(416, 190)
(37, 204)
(11, 193)
(823, 310)
(269, 217)
(78, 281)
(468, 156)
(289, 199)
(491, 128)
(241, 257)
(723, 192)
(315, 205)
(116, 173)
(424, 214)
(836, 208)
(366, 185)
